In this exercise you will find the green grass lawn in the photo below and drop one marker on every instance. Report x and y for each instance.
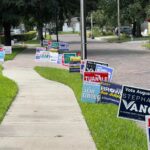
(15, 50)
(8, 91)
(126, 39)
(61, 32)
(32, 42)
(108, 131)
(147, 45)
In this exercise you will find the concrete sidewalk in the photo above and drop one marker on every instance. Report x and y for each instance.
(45, 114)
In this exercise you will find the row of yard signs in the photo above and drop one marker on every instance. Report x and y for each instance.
(133, 103)
(3, 51)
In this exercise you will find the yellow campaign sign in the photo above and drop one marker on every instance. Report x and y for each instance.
(75, 58)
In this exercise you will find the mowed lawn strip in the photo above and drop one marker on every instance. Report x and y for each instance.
(8, 91)
(15, 51)
(108, 131)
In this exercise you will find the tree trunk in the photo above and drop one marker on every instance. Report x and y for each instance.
(138, 33)
(134, 29)
(7, 28)
(40, 33)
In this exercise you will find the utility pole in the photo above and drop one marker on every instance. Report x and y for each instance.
(92, 26)
(56, 21)
(83, 30)
(57, 39)
(118, 4)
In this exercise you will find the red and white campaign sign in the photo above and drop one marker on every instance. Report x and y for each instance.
(1, 49)
(148, 130)
(95, 77)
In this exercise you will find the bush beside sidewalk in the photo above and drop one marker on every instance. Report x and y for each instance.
(108, 131)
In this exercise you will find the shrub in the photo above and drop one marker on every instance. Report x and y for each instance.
(25, 36)
(2, 39)
(20, 37)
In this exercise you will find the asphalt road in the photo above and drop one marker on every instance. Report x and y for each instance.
(130, 60)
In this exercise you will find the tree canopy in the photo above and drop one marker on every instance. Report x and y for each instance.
(40, 12)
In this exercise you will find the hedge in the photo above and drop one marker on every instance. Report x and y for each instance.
(21, 37)
(25, 36)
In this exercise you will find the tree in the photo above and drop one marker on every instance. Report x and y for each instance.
(10, 14)
(131, 12)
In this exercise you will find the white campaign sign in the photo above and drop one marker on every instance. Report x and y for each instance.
(54, 57)
(8, 49)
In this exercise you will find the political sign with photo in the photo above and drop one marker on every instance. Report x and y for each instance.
(95, 77)
(66, 57)
(101, 68)
(110, 93)
(148, 130)
(39, 49)
(43, 56)
(134, 104)
(90, 65)
(8, 49)
(90, 92)
(2, 54)
(63, 46)
(53, 57)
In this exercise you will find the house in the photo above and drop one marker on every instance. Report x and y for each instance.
(73, 26)
(145, 28)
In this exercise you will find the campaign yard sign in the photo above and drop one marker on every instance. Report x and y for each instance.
(95, 77)
(53, 57)
(2, 55)
(46, 43)
(91, 86)
(59, 61)
(110, 93)
(101, 68)
(74, 65)
(55, 45)
(63, 46)
(134, 104)
(90, 92)
(39, 49)
(82, 67)
(8, 49)
(148, 131)
(66, 57)
(43, 56)
(90, 66)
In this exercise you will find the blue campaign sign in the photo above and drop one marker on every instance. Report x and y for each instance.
(60, 58)
(90, 92)
(63, 46)
(134, 104)
(2, 54)
(110, 93)
(101, 68)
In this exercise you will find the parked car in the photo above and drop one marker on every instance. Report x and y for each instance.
(126, 30)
